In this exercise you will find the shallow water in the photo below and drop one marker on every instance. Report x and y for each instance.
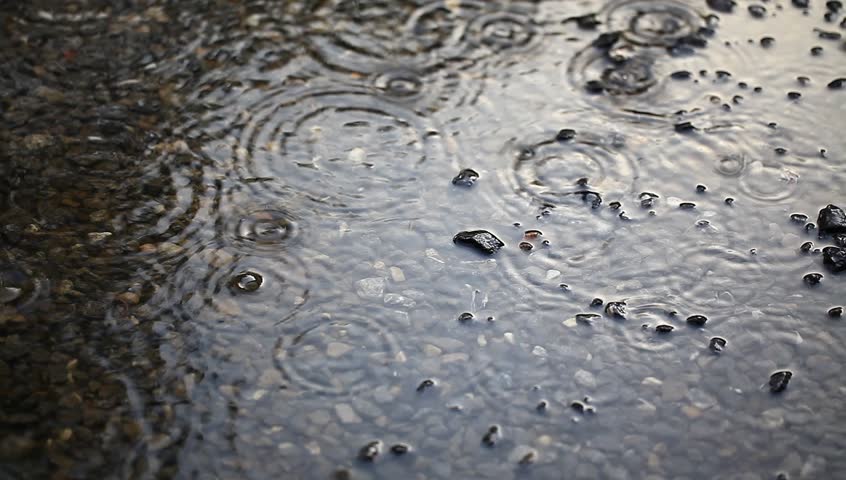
(227, 239)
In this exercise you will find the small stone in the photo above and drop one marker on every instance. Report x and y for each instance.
(779, 380)
(491, 436)
(729, 201)
(400, 449)
(245, 282)
(701, 188)
(337, 349)
(757, 11)
(724, 6)
(806, 247)
(425, 384)
(466, 178)
(370, 287)
(128, 298)
(526, 246)
(687, 205)
(529, 458)
(565, 135)
(717, 344)
(684, 127)
(397, 274)
(835, 312)
(539, 351)
(681, 75)
(794, 95)
(466, 317)
(616, 309)
(837, 83)
(346, 413)
(664, 328)
(542, 406)
(798, 217)
(369, 452)
(697, 320)
(481, 240)
(596, 302)
(834, 258)
(813, 278)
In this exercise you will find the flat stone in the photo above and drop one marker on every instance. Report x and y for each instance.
(336, 349)
(346, 413)
(370, 287)
(480, 240)
(585, 379)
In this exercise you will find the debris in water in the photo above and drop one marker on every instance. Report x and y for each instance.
(779, 380)
(481, 240)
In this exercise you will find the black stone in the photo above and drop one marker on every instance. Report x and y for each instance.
(425, 384)
(839, 239)
(799, 217)
(701, 188)
(680, 75)
(717, 344)
(606, 40)
(779, 380)
(801, 3)
(829, 35)
(578, 406)
(684, 127)
(834, 5)
(565, 134)
(526, 246)
(835, 312)
(837, 83)
(687, 205)
(542, 406)
(724, 6)
(767, 42)
(466, 178)
(697, 320)
(816, 51)
(594, 87)
(757, 11)
(832, 219)
(466, 317)
(369, 452)
(585, 22)
(813, 278)
(400, 449)
(664, 328)
(596, 302)
(806, 247)
(794, 95)
(834, 258)
(491, 436)
(481, 240)
(729, 201)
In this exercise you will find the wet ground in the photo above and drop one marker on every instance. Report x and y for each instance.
(227, 233)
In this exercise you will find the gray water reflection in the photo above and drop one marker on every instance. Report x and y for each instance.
(277, 285)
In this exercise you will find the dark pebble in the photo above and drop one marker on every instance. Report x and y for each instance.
(481, 240)
(466, 317)
(528, 458)
(616, 309)
(839, 239)
(832, 219)
(813, 278)
(724, 6)
(615, 205)
(594, 87)
(542, 406)
(810, 226)
(664, 328)
(701, 188)
(779, 380)
(369, 452)
(684, 127)
(837, 83)
(834, 5)
(834, 258)
(400, 449)
(729, 201)
(578, 406)
(687, 205)
(491, 436)
(798, 217)
(794, 95)
(801, 3)
(596, 302)
(835, 312)
(466, 178)
(806, 247)
(585, 22)
(565, 135)
(717, 344)
(532, 234)
(526, 246)
(829, 35)
(245, 282)
(816, 51)
(681, 75)
(425, 384)
(757, 11)
(697, 320)
(767, 42)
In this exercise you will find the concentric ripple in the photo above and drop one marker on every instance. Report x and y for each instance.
(335, 147)
(427, 91)
(653, 23)
(215, 291)
(337, 353)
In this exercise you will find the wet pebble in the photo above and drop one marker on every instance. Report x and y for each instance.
(480, 240)
(794, 95)
(757, 11)
(729, 201)
(369, 452)
(801, 3)
(813, 278)
(684, 127)
(616, 309)
(400, 449)
(798, 217)
(701, 188)
(697, 320)
(717, 344)
(832, 219)
(724, 6)
(816, 51)
(246, 282)
(834, 258)
(425, 384)
(779, 380)
(664, 328)
(767, 42)
(542, 406)
(491, 436)
(681, 75)
(825, 35)
(466, 317)
(806, 247)
(526, 246)
(466, 178)
(565, 135)
(835, 312)
(687, 205)
(596, 302)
